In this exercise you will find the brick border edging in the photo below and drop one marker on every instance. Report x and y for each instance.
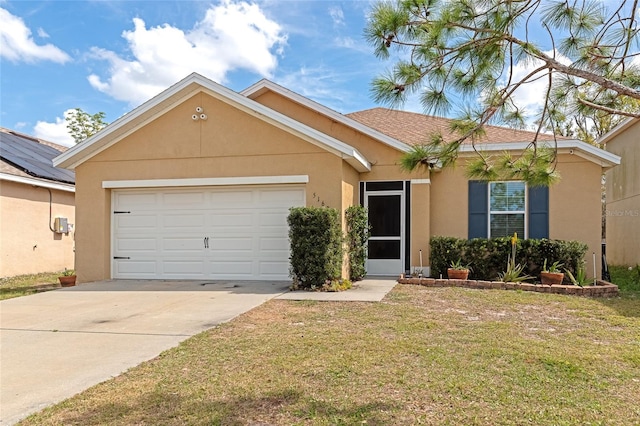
(601, 289)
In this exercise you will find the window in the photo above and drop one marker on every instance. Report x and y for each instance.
(507, 209)
(483, 215)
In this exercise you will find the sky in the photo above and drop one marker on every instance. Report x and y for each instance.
(111, 56)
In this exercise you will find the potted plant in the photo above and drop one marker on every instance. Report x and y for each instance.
(68, 278)
(551, 275)
(458, 271)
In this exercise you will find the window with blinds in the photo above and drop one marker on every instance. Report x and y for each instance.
(507, 211)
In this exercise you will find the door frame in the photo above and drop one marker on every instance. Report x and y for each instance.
(401, 188)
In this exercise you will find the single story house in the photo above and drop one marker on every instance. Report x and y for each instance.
(196, 183)
(623, 194)
(33, 194)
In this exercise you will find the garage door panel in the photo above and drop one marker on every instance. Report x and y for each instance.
(231, 245)
(237, 199)
(272, 219)
(184, 222)
(238, 268)
(274, 270)
(125, 222)
(136, 244)
(137, 268)
(231, 221)
(125, 200)
(278, 245)
(183, 245)
(210, 233)
(183, 200)
(183, 268)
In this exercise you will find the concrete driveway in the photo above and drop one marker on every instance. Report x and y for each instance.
(56, 344)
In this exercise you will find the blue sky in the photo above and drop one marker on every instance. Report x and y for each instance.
(111, 56)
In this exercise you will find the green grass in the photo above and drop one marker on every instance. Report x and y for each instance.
(627, 278)
(23, 285)
(422, 356)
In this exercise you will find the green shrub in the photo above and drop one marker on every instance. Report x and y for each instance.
(358, 233)
(488, 257)
(316, 246)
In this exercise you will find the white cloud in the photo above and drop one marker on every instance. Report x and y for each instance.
(319, 84)
(54, 132)
(42, 33)
(232, 35)
(531, 96)
(17, 44)
(337, 15)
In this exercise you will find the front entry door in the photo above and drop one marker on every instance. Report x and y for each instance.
(386, 244)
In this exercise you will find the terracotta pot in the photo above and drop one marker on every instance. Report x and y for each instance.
(457, 274)
(67, 281)
(551, 278)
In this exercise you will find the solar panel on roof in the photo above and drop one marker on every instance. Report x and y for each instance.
(33, 158)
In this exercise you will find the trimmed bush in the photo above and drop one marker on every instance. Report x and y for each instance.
(316, 246)
(488, 257)
(358, 233)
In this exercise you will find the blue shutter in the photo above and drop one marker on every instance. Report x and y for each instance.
(539, 212)
(478, 209)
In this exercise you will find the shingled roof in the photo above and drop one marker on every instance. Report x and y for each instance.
(414, 128)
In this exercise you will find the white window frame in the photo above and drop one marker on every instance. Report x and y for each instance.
(524, 212)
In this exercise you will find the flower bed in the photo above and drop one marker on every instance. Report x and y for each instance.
(601, 289)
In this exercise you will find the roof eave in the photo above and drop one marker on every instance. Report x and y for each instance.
(621, 127)
(73, 157)
(265, 85)
(43, 183)
(571, 146)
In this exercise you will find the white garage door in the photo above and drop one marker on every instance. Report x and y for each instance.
(196, 233)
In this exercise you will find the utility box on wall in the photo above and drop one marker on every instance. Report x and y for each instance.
(61, 225)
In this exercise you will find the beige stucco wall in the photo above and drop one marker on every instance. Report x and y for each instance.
(234, 143)
(28, 245)
(574, 204)
(229, 143)
(623, 199)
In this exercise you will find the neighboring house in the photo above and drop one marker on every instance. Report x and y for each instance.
(33, 194)
(623, 194)
(196, 183)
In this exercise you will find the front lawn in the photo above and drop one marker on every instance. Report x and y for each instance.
(23, 285)
(422, 356)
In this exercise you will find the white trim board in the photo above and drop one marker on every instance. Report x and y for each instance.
(37, 182)
(110, 134)
(225, 181)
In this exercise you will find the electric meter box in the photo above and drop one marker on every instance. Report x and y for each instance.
(61, 225)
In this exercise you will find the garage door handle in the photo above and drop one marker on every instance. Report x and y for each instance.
(206, 242)
(121, 257)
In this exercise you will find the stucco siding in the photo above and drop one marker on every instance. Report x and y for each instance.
(623, 199)
(377, 153)
(574, 205)
(28, 245)
(229, 143)
(420, 222)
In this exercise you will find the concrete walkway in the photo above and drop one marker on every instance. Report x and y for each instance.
(371, 289)
(56, 344)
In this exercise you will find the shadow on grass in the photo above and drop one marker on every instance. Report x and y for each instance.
(271, 408)
(628, 281)
(627, 304)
